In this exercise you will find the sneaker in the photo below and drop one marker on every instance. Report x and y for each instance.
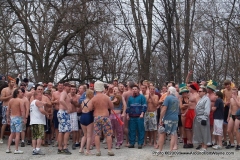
(229, 146)
(40, 152)
(66, 151)
(1, 141)
(131, 146)
(224, 143)
(18, 152)
(202, 150)
(237, 147)
(104, 141)
(88, 153)
(188, 146)
(34, 152)
(139, 146)
(77, 145)
(29, 142)
(217, 147)
(13, 143)
(59, 151)
(118, 147)
(98, 154)
(55, 144)
(8, 151)
(199, 147)
(22, 144)
(110, 153)
(73, 146)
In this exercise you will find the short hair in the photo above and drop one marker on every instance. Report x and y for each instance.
(89, 93)
(172, 90)
(131, 84)
(15, 93)
(204, 89)
(135, 86)
(227, 82)
(219, 94)
(144, 86)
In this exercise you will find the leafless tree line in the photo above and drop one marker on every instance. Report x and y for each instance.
(84, 40)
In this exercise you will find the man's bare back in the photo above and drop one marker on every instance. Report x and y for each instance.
(100, 103)
(16, 107)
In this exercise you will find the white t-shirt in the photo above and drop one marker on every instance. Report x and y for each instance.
(36, 117)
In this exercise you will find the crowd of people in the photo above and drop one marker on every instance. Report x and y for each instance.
(188, 113)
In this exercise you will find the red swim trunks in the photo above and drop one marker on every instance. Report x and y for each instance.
(211, 118)
(189, 118)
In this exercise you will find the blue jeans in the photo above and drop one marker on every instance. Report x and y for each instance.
(136, 124)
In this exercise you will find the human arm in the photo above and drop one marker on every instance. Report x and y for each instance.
(124, 107)
(23, 111)
(162, 114)
(40, 106)
(8, 112)
(188, 76)
(27, 106)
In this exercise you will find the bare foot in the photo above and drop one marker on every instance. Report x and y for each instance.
(156, 146)
(126, 145)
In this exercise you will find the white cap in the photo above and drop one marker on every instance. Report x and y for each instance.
(99, 86)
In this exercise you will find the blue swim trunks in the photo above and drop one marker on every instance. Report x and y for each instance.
(4, 116)
(64, 121)
(16, 124)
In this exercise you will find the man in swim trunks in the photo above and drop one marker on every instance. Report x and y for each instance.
(73, 115)
(101, 104)
(6, 95)
(150, 120)
(234, 106)
(55, 102)
(64, 126)
(15, 118)
(190, 113)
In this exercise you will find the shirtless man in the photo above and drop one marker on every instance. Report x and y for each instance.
(26, 107)
(6, 95)
(234, 106)
(15, 116)
(101, 104)
(81, 90)
(126, 96)
(190, 113)
(144, 90)
(227, 95)
(73, 115)
(150, 120)
(64, 126)
(55, 102)
(212, 96)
